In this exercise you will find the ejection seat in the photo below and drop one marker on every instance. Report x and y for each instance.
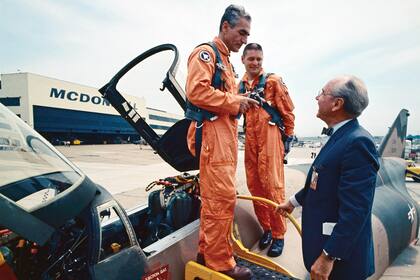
(173, 206)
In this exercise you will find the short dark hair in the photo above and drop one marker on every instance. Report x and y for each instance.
(232, 15)
(252, 46)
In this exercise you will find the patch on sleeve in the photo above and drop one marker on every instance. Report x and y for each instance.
(205, 56)
(281, 81)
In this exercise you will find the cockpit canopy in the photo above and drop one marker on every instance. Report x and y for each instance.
(39, 188)
(33, 172)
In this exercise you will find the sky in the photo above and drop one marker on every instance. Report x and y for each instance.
(306, 42)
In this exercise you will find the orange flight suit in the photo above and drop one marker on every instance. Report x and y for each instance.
(218, 158)
(264, 152)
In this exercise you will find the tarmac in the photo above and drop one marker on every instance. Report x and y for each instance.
(126, 170)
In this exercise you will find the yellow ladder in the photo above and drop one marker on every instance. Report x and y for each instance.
(194, 270)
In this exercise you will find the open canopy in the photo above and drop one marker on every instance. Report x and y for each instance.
(172, 146)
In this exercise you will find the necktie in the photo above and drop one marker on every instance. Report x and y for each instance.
(327, 131)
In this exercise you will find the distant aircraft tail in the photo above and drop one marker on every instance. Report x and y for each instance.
(393, 143)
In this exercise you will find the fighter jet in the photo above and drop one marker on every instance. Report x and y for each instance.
(55, 223)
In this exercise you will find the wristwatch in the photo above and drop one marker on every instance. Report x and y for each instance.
(330, 257)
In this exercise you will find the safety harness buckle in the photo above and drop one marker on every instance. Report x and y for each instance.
(200, 115)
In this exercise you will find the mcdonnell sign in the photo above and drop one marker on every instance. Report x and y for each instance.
(79, 97)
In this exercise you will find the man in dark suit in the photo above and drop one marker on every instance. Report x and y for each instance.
(338, 194)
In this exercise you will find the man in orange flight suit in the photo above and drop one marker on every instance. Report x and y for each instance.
(218, 156)
(264, 148)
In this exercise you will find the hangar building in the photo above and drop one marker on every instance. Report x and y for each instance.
(65, 111)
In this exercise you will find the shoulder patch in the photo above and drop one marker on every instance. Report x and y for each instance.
(205, 56)
(281, 81)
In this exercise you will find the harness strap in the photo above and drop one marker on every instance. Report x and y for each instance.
(261, 84)
(200, 115)
(274, 114)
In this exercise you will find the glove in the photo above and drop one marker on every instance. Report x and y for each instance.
(287, 144)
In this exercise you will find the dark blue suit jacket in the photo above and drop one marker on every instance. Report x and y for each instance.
(347, 166)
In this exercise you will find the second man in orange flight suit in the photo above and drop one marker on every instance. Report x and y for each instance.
(264, 148)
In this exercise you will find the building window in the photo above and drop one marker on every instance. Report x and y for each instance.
(10, 101)
(160, 118)
(164, 127)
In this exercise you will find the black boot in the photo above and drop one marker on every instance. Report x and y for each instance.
(276, 248)
(265, 240)
(239, 273)
(200, 259)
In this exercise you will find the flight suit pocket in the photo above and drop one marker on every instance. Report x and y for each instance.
(221, 145)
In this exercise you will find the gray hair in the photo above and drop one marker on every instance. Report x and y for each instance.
(232, 15)
(354, 93)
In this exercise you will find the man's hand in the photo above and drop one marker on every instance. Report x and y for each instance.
(322, 268)
(247, 103)
(285, 207)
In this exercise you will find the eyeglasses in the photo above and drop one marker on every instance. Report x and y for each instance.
(322, 92)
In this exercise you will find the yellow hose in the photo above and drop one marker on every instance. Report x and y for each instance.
(272, 203)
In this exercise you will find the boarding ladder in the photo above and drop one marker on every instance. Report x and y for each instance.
(262, 267)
